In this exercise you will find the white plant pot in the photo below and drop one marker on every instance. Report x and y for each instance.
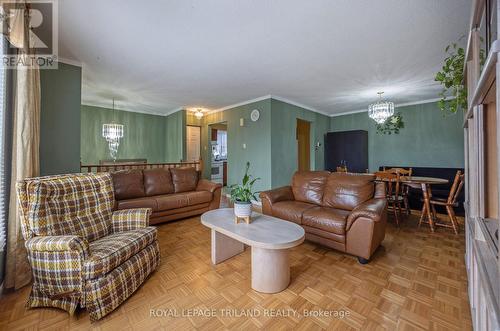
(242, 209)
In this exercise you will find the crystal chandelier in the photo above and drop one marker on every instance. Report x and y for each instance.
(113, 133)
(198, 114)
(381, 110)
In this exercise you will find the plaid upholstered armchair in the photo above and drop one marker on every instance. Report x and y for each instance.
(80, 251)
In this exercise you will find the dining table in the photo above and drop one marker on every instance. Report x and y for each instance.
(424, 183)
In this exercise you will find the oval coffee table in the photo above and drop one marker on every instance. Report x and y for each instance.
(269, 238)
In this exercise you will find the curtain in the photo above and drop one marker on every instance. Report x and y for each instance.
(25, 152)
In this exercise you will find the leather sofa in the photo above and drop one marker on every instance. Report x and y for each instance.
(171, 194)
(343, 211)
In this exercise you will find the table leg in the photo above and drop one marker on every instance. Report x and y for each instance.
(270, 270)
(427, 203)
(224, 247)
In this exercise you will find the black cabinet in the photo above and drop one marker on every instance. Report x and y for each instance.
(348, 146)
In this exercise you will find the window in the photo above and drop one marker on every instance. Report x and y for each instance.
(4, 151)
(222, 143)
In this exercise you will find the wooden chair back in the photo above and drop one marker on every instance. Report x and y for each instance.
(341, 169)
(458, 183)
(401, 171)
(392, 180)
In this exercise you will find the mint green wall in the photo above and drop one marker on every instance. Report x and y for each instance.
(284, 151)
(60, 119)
(175, 136)
(429, 138)
(256, 136)
(144, 135)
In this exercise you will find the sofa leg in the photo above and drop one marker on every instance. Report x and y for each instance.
(362, 260)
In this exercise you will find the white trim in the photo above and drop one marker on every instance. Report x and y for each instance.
(398, 105)
(1, 289)
(106, 106)
(275, 97)
(70, 61)
(265, 97)
(174, 111)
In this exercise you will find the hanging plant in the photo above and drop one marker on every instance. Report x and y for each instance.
(451, 78)
(392, 125)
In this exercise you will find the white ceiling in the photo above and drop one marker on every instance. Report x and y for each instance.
(331, 55)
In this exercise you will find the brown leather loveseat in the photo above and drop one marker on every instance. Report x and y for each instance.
(171, 193)
(343, 211)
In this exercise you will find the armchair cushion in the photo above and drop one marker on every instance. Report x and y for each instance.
(130, 219)
(206, 185)
(109, 252)
(372, 209)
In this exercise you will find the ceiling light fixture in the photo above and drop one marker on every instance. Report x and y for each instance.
(113, 132)
(381, 110)
(198, 113)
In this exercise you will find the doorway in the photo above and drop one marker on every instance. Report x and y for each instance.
(303, 145)
(193, 142)
(218, 147)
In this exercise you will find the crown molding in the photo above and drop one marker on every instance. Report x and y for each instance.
(291, 102)
(395, 106)
(106, 106)
(70, 62)
(265, 97)
(242, 103)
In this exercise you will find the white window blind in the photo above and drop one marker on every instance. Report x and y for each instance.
(4, 203)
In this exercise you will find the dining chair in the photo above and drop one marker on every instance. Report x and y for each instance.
(342, 169)
(450, 203)
(393, 186)
(405, 189)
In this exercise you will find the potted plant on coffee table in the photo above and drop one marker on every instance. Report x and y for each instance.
(242, 196)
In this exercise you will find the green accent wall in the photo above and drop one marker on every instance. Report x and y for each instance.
(284, 152)
(60, 119)
(429, 139)
(256, 136)
(144, 135)
(271, 145)
(175, 136)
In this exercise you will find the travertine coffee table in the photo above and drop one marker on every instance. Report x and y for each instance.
(269, 238)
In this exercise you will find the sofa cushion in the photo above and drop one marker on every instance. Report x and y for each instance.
(184, 179)
(128, 184)
(146, 202)
(326, 219)
(291, 210)
(158, 181)
(197, 197)
(111, 251)
(347, 191)
(308, 186)
(171, 201)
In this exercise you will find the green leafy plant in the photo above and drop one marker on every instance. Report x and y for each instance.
(451, 78)
(392, 125)
(244, 192)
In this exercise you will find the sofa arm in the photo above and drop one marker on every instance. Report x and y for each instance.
(56, 258)
(130, 219)
(372, 209)
(278, 194)
(206, 185)
(272, 196)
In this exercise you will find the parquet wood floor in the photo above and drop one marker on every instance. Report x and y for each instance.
(416, 281)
